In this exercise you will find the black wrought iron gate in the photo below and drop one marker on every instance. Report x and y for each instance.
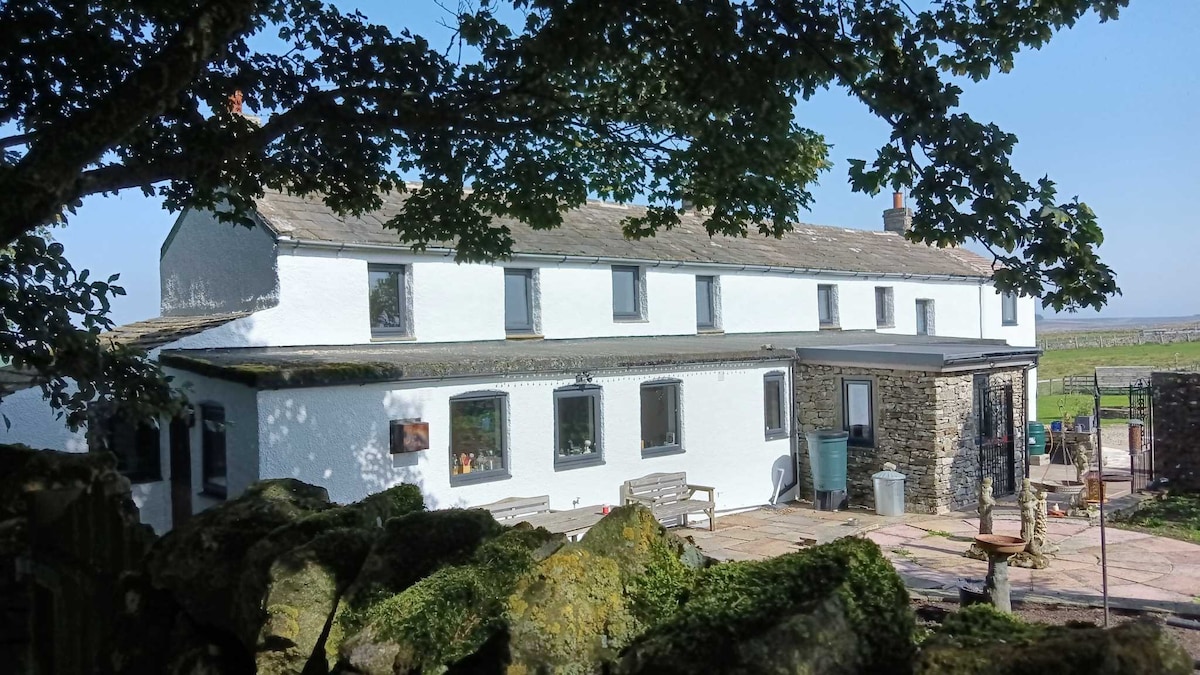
(997, 440)
(1141, 435)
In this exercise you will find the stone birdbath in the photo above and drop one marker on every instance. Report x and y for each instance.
(999, 548)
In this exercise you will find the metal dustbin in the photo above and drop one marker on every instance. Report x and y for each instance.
(889, 492)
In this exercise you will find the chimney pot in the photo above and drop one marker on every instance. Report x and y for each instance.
(897, 200)
(897, 219)
(235, 102)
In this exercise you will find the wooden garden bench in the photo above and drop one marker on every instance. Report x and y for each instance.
(518, 508)
(670, 496)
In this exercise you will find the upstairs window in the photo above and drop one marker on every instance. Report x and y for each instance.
(775, 408)
(884, 307)
(858, 411)
(925, 317)
(706, 305)
(388, 298)
(660, 418)
(518, 301)
(136, 445)
(628, 303)
(212, 446)
(1008, 309)
(827, 309)
(577, 427)
(478, 437)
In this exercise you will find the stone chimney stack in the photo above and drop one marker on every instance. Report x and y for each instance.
(897, 219)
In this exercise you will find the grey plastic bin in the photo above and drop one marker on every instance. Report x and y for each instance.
(889, 493)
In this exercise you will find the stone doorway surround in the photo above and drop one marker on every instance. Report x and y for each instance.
(924, 411)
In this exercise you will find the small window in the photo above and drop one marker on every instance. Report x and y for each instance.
(925, 317)
(627, 293)
(706, 305)
(577, 427)
(858, 412)
(827, 309)
(884, 311)
(1008, 308)
(136, 446)
(518, 301)
(388, 299)
(212, 444)
(775, 409)
(660, 418)
(478, 437)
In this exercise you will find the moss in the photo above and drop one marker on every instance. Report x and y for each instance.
(1129, 649)
(450, 614)
(984, 623)
(740, 603)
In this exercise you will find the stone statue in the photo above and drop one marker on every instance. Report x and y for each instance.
(1028, 504)
(1041, 542)
(1080, 459)
(987, 503)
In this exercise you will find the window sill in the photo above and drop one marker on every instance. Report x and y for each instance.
(630, 319)
(862, 445)
(513, 335)
(140, 480)
(580, 463)
(709, 331)
(884, 325)
(479, 477)
(1009, 324)
(393, 338)
(777, 434)
(830, 326)
(214, 492)
(662, 451)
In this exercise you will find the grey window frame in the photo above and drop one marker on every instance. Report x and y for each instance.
(928, 314)
(868, 442)
(830, 291)
(529, 306)
(677, 447)
(886, 318)
(593, 392)
(502, 414)
(639, 305)
(1008, 300)
(781, 431)
(711, 280)
(207, 485)
(405, 305)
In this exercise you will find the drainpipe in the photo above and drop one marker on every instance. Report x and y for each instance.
(793, 438)
(981, 311)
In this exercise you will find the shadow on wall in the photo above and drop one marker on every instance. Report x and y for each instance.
(324, 446)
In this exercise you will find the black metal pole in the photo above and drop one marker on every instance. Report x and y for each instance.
(1100, 491)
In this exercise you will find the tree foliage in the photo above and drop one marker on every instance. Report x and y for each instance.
(534, 105)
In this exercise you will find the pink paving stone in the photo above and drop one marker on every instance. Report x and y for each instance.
(1181, 557)
(1168, 545)
(1083, 558)
(886, 541)
(740, 534)
(1064, 528)
(1144, 592)
(904, 531)
(1178, 583)
(1134, 575)
(1114, 536)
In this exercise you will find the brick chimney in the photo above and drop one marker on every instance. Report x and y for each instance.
(897, 219)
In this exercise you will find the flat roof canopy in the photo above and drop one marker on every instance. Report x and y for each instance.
(280, 367)
(938, 357)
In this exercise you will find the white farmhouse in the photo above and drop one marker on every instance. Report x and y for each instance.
(316, 347)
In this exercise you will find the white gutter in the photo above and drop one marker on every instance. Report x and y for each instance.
(609, 260)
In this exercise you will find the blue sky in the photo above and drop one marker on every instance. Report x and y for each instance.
(1107, 111)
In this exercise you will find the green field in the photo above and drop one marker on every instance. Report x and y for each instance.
(1062, 362)
(1048, 407)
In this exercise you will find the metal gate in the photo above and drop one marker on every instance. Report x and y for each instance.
(1141, 436)
(997, 440)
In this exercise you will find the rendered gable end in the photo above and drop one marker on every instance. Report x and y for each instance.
(210, 267)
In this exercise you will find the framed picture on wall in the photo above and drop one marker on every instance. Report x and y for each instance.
(408, 436)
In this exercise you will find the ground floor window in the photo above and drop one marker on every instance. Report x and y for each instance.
(775, 405)
(576, 426)
(212, 444)
(858, 414)
(478, 437)
(660, 418)
(135, 444)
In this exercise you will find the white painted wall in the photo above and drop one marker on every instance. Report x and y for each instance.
(577, 302)
(209, 267)
(338, 437)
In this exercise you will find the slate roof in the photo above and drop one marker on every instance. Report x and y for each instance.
(153, 333)
(594, 231)
(283, 367)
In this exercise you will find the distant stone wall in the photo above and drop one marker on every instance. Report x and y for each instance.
(1177, 428)
(925, 423)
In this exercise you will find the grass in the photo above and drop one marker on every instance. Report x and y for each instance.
(1176, 516)
(1062, 362)
(939, 533)
(1051, 408)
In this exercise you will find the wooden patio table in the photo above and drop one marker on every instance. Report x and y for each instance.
(572, 523)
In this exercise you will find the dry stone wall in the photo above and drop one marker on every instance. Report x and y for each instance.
(1177, 428)
(925, 423)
